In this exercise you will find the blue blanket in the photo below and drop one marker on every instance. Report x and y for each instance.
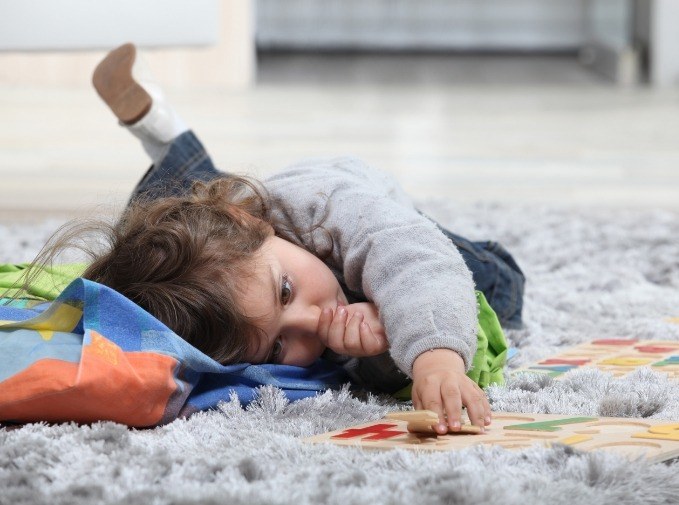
(93, 355)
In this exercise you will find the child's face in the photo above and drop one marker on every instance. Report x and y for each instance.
(289, 289)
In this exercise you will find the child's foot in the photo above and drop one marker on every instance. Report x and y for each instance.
(129, 90)
(114, 80)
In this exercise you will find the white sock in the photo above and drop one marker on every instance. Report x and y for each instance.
(158, 128)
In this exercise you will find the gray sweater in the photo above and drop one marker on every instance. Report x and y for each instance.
(384, 249)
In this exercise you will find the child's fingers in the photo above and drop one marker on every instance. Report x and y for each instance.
(487, 413)
(452, 401)
(476, 412)
(478, 408)
(430, 399)
(371, 343)
(415, 397)
(336, 330)
(352, 337)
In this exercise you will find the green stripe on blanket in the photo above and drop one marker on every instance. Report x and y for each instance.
(47, 285)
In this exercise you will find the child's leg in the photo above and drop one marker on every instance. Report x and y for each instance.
(184, 162)
(496, 274)
(179, 158)
(127, 86)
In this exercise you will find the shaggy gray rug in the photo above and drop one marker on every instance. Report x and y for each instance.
(592, 274)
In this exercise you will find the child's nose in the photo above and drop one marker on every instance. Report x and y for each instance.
(306, 320)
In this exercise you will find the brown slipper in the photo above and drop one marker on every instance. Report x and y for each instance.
(114, 81)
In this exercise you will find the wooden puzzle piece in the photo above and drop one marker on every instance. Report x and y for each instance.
(551, 425)
(625, 361)
(616, 356)
(672, 360)
(661, 432)
(655, 349)
(553, 371)
(421, 421)
(565, 361)
(575, 439)
(375, 432)
(653, 439)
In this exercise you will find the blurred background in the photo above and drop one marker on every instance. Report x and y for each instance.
(564, 102)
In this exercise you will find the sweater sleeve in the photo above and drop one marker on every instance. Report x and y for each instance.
(383, 247)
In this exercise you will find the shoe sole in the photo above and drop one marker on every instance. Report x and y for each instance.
(115, 84)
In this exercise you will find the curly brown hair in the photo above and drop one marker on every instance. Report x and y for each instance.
(183, 259)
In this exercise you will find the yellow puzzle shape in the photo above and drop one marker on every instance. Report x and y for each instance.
(661, 432)
(625, 361)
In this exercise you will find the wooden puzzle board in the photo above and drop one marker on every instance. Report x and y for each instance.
(617, 356)
(656, 440)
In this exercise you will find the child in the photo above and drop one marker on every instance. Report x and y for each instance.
(326, 259)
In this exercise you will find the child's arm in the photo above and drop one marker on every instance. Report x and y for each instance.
(439, 380)
(440, 385)
(368, 230)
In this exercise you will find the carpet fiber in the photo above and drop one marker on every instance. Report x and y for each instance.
(591, 274)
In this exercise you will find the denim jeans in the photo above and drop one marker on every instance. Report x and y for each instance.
(495, 272)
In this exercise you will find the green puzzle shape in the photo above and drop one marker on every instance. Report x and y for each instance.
(672, 360)
(552, 425)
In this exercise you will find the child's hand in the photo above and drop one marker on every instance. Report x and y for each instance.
(440, 384)
(353, 330)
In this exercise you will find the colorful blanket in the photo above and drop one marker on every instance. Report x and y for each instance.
(94, 355)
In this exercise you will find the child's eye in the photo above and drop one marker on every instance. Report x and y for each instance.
(286, 290)
(276, 350)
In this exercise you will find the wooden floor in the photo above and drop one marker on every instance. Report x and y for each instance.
(505, 129)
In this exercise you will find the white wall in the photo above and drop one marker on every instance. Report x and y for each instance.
(610, 23)
(60, 46)
(442, 24)
(664, 43)
(52, 25)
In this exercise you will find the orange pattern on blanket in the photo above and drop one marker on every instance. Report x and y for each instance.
(108, 384)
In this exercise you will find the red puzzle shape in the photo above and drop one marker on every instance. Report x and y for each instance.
(376, 431)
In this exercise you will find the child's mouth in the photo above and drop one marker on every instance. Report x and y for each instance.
(341, 298)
